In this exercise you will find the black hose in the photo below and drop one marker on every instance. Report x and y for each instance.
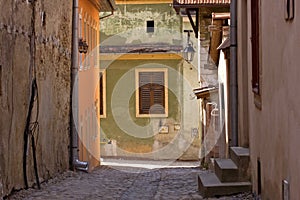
(30, 131)
(35, 162)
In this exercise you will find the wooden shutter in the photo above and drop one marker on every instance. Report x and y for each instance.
(151, 93)
(255, 45)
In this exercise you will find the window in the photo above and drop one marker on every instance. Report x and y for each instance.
(91, 46)
(85, 38)
(80, 36)
(102, 88)
(88, 39)
(151, 93)
(0, 80)
(255, 46)
(96, 50)
(150, 26)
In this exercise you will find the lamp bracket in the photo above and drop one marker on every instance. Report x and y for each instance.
(195, 25)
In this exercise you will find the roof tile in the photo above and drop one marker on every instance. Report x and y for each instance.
(199, 2)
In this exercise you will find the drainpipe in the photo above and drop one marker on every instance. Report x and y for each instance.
(74, 158)
(233, 74)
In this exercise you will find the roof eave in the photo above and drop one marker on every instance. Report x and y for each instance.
(178, 6)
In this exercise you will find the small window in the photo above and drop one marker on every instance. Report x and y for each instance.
(150, 26)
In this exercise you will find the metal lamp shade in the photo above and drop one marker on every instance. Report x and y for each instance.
(189, 53)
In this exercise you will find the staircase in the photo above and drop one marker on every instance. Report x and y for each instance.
(231, 176)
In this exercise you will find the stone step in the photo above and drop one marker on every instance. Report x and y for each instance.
(241, 157)
(210, 186)
(226, 170)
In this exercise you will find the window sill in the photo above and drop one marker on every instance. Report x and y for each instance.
(151, 115)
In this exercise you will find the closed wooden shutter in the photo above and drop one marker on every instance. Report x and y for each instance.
(151, 93)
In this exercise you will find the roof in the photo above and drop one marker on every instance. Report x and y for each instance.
(143, 1)
(104, 5)
(200, 3)
(225, 44)
(205, 92)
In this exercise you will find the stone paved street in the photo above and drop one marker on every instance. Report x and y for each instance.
(125, 183)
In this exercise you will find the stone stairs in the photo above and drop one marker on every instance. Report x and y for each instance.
(230, 176)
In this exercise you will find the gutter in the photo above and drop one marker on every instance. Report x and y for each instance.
(75, 163)
(233, 74)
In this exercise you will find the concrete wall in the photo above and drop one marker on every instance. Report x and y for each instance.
(49, 54)
(274, 129)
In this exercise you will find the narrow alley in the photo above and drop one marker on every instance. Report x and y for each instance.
(177, 181)
(149, 99)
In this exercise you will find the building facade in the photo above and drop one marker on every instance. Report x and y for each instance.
(88, 83)
(268, 98)
(35, 87)
(141, 57)
(209, 24)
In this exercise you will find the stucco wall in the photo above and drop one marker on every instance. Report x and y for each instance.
(88, 86)
(274, 130)
(49, 54)
(128, 25)
(120, 102)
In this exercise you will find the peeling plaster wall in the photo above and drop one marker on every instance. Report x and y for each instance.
(49, 54)
(128, 26)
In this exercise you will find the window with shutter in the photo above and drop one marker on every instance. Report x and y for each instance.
(151, 93)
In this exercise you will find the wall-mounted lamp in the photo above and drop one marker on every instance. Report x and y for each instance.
(82, 46)
(189, 51)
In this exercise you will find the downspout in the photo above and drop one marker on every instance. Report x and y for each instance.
(74, 158)
(233, 74)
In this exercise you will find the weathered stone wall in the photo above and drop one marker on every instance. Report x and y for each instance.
(35, 41)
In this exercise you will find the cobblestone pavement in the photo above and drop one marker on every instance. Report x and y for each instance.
(123, 183)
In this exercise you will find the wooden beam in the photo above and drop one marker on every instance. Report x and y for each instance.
(165, 56)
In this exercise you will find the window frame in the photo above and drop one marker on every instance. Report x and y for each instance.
(256, 53)
(103, 115)
(137, 92)
(255, 44)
